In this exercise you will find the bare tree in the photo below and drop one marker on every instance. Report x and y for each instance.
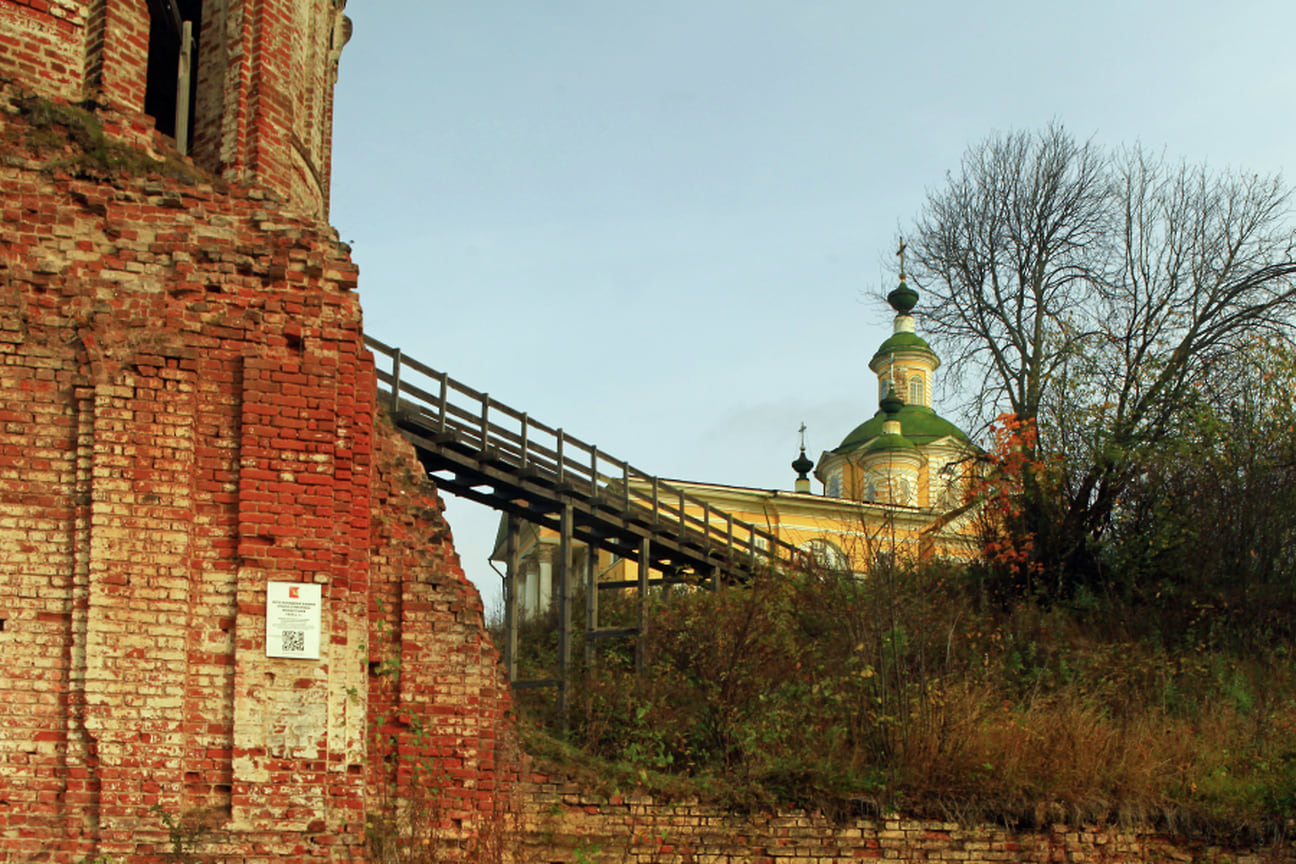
(1004, 254)
(1093, 294)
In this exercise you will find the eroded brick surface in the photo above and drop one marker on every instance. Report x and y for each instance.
(187, 415)
(263, 107)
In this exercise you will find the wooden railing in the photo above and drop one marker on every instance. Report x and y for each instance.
(454, 414)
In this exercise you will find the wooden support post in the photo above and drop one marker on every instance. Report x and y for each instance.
(564, 614)
(641, 645)
(511, 567)
(184, 72)
(591, 608)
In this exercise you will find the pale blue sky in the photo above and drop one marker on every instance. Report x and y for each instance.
(661, 225)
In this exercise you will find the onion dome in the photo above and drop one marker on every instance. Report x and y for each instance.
(802, 465)
(918, 423)
(892, 437)
(891, 404)
(903, 298)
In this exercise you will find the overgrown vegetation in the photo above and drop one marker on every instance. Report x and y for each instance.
(910, 690)
(1097, 296)
(71, 139)
(1163, 694)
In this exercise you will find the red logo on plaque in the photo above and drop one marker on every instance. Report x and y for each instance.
(293, 592)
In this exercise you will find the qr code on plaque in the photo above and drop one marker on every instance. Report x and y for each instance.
(294, 640)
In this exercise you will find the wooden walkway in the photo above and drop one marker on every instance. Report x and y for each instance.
(483, 450)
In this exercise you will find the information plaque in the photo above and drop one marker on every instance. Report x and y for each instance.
(293, 620)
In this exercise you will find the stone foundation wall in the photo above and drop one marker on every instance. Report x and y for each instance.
(564, 824)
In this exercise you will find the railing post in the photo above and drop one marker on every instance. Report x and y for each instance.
(593, 470)
(444, 397)
(562, 471)
(625, 487)
(524, 440)
(485, 425)
(706, 526)
(729, 537)
(656, 507)
(396, 370)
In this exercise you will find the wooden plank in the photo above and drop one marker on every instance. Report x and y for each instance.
(536, 683)
(611, 633)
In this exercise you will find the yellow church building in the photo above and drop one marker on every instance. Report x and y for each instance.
(895, 486)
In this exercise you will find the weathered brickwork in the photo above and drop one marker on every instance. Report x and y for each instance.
(188, 415)
(263, 112)
(563, 824)
(439, 705)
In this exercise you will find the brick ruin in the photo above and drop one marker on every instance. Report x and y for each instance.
(188, 416)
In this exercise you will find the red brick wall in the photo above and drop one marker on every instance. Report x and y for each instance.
(265, 97)
(265, 71)
(438, 701)
(43, 42)
(187, 415)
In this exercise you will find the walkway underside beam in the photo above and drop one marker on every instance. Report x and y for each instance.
(594, 522)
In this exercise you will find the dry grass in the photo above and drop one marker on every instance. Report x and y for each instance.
(907, 692)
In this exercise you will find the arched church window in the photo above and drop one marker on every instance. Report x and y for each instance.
(834, 487)
(916, 394)
(904, 492)
(825, 554)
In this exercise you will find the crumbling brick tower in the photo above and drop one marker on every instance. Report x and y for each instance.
(186, 419)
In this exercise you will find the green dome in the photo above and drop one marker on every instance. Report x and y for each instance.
(918, 423)
(889, 442)
(902, 340)
(903, 298)
(891, 403)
